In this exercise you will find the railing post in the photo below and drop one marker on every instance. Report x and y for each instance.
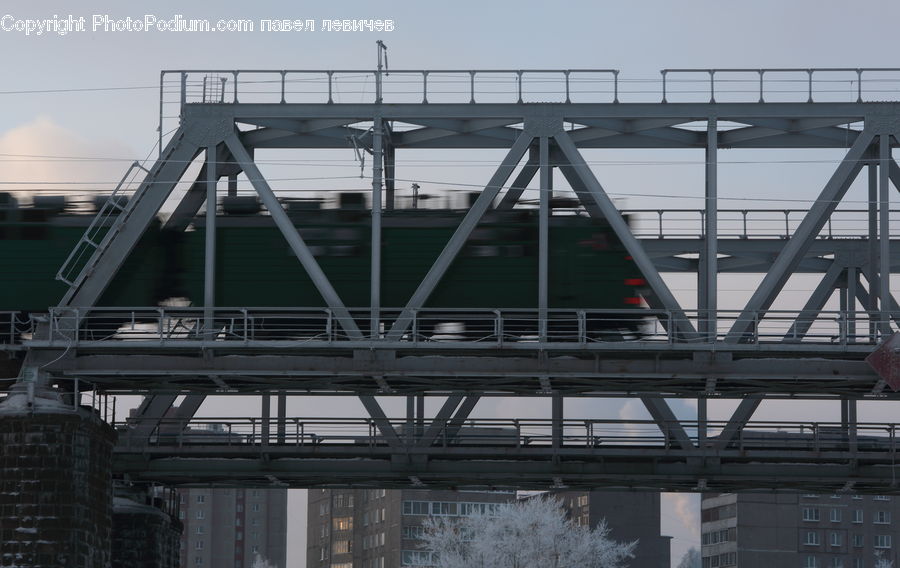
(183, 92)
(471, 87)
(283, 74)
(235, 73)
(663, 72)
(859, 85)
(810, 73)
(330, 74)
(761, 96)
(712, 85)
(425, 87)
(615, 86)
(568, 98)
(519, 83)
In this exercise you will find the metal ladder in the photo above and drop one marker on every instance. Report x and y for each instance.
(114, 213)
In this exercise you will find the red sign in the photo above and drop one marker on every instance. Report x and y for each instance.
(886, 361)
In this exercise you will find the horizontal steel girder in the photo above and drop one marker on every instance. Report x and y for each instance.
(785, 371)
(502, 466)
(621, 125)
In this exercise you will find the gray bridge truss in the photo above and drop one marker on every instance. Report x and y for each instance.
(707, 353)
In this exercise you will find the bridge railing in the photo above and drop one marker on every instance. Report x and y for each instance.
(519, 433)
(802, 85)
(449, 328)
(749, 223)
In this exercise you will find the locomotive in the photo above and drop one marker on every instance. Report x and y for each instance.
(589, 268)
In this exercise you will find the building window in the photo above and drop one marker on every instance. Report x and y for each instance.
(811, 539)
(199, 529)
(239, 507)
(341, 547)
(254, 522)
(416, 558)
(239, 535)
(810, 562)
(199, 545)
(255, 507)
(254, 493)
(835, 515)
(198, 560)
(857, 516)
(254, 549)
(882, 517)
(858, 563)
(837, 562)
(181, 515)
(835, 539)
(857, 541)
(342, 523)
(201, 498)
(881, 498)
(200, 515)
(810, 514)
(882, 541)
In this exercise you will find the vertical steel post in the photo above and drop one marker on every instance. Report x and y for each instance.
(544, 236)
(420, 416)
(282, 418)
(556, 413)
(872, 275)
(266, 418)
(209, 271)
(375, 298)
(884, 233)
(852, 282)
(710, 265)
(701, 421)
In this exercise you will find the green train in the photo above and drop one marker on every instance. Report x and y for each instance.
(497, 268)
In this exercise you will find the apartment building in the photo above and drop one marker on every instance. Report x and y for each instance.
(794, 530)
(229, 528)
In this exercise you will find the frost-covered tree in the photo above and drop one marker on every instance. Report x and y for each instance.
(882, 562)
(691, 559)
(261, 562)
(529, 533)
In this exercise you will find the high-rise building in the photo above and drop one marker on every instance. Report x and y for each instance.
(228, 528)
(778, 530)
(630, 516)
(377, 528)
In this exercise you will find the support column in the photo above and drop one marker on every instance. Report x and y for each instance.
(556, 413)
(701, 421)
(281, 435)
(266, 419)
(852, 275)
(375, 285)
(390, 171)
(872, 276)
(544, 236)
(884, 234)
(708, 301)
(209, 270)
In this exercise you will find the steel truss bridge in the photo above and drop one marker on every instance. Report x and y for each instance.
(544, 121)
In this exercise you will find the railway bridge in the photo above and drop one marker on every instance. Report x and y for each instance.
(543, 122)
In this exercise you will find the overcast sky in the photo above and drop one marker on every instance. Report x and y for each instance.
(115, 126)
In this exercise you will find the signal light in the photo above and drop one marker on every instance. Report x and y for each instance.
(633, 301)
(635, 282)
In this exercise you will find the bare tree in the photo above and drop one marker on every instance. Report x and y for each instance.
(532, 532)
(882, 562)
(691, 559)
